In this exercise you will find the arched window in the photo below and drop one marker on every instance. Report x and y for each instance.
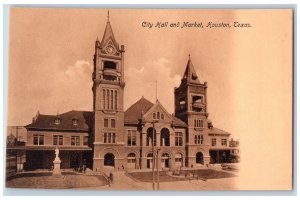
(158, 115)
(131, 158)
(164, 137)
(178, 160)
(162, 116)
(150, 137)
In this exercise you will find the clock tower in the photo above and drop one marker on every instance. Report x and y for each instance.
(191, 107)
(108, 102)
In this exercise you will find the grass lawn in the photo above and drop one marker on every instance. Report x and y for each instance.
(47, 181)
(210, 173)
(147, 177)
(163, 177)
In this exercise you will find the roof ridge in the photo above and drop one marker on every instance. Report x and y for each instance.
(138, 102)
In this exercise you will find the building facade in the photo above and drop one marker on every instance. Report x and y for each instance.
(110, 137)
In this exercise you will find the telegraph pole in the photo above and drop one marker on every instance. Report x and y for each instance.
(157, 166)
(153, 181)
(17, 133)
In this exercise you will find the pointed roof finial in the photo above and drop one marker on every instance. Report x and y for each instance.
(189, 56)
(107, 15)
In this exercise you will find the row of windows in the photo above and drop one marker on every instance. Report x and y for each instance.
(111, 125)
(58, 140)
(198, 139)
(110, 99)
(57, 121)
(198, 123)
(109, 138)
(158, 115)
(214, 142)
(165, 139)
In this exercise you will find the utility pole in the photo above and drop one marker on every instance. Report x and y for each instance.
(153, 181)
(153, 158)
(17, 133)
(157, 166)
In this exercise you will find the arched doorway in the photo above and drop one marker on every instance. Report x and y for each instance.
(131, 161)
(199, 158)
(178, 160)
(149, 160)
(165, 160)
(164, 137)
(109, 160)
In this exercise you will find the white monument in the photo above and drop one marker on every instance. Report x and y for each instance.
(56, 163)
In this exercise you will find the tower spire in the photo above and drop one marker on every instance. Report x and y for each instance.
(107, 15)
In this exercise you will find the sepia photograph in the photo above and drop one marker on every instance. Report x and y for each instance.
(149, 99)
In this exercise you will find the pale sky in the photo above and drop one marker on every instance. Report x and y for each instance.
(248, 70)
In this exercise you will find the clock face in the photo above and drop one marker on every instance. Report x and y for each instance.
(110, 49)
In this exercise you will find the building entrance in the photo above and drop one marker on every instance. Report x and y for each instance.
(109, 160)
(165, 160)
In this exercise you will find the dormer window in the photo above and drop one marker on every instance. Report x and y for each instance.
(162, 116)
(154, 115)
(75, 122)
(158, 115)
(57, 121)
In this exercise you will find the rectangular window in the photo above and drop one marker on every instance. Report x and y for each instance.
(113, 123)
(213, 142)
(198, 123)
(109, 137)
(116, 100)
(131, 138)
(35, 140)
(113, 138)
(106, 123)
(85, 140)
(103, 98)
(105, 138)
(107, 99)
(58, 140)
(224, 142)
(75, 140)
(198, 139)
(178, 139)
(111, 99)
(38, 139)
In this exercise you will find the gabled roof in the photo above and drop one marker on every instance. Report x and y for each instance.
(138, 109)
(217, 131)
(46, 122)
(190, 74)
(135, 112)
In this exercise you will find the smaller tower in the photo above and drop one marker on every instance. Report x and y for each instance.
(191, 107)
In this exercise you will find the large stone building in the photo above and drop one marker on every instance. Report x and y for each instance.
(110, 136)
